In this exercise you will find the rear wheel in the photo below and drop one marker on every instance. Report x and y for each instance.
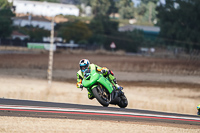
(102, 95)
(123, 102)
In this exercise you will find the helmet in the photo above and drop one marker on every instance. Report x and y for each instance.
(84, 64)
(198, 107)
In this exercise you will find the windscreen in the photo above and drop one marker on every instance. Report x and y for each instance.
(87, 73)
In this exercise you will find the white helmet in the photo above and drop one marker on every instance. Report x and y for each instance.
(84, 64)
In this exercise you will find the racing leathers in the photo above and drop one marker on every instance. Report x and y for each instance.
(198, 108)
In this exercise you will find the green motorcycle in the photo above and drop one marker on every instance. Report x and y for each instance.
(103, 90)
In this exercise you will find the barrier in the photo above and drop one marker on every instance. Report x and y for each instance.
(45, 46)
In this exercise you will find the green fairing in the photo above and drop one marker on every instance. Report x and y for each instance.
(106, 83)
(93, 79)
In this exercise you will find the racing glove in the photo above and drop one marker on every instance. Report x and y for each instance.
(81, 86)
(120, 88)
(104, 72)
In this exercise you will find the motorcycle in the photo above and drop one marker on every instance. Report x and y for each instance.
(103, 90)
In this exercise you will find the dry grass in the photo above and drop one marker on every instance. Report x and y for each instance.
(166, 99)
(43, 125)
(116, 62)
(13, 48)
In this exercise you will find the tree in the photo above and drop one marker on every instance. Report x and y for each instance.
(55, 1)
(99, 7)
(102, 26)
(179, 21)
(147, 1)
(113, 7)
(147, 11)
(126, 9)
(76, 30)
(4, 4)
(150, 14)
(37, 34)
(106, 7)
(5, 19)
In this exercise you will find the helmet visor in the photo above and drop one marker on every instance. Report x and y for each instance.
(84, 67)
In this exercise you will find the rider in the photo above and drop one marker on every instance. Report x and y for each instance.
(84, 65)
(198, 108)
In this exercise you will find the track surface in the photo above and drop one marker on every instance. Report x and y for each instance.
(25, 108)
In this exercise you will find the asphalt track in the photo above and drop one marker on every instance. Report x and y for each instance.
(26, 108)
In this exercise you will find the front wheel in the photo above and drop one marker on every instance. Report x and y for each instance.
(101, 96)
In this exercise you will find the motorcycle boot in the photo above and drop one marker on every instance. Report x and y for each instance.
(90, 96)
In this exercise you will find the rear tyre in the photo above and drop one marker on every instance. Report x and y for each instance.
(101, 96)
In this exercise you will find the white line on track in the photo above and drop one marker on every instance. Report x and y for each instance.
(90, 111)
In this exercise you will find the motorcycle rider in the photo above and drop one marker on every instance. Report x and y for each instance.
(198, 108)
(85, 65)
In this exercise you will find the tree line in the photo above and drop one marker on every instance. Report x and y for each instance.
(178, 20)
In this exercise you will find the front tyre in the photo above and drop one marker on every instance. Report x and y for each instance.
(101, 96)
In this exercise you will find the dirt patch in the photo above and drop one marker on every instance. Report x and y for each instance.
(130, 78)
(122, 63)
(32, 125)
